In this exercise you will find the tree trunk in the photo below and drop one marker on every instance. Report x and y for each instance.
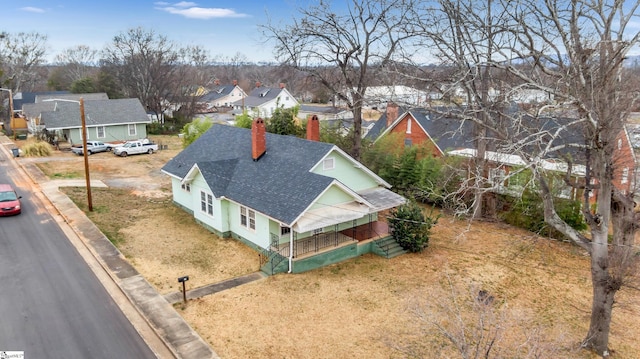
(357, 126)
(601, 308)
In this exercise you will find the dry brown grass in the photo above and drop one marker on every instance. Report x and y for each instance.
(360, 308)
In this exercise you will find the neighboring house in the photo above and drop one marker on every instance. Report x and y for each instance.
(24, 98)
(19, 100)
(42, 103)
(221, 96)
(323, 112)
(450, 136)
(301, 203)
(377, 97)
(263, 101)
(106, 120)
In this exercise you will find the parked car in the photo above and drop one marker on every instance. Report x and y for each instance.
(92, 147)
(9, 201)
(135, 148)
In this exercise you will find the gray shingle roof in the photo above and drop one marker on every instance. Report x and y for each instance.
(278, 185)
(97, 113)
(259, 96)
(216, 93)
(448, 133)
(30, 97)
(73, 96)
(451, 133)
(33, 110)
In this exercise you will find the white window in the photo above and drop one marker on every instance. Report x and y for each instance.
(206, 203)
(318, 231)
(409, 126)
(243, 216)
(252, 219)
(247, 218)
(285, 230)
(625, 175)
(186, 187)
(328, 163)
(132, 129)
(100, 132)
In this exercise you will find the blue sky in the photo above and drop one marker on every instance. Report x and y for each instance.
(222, 27)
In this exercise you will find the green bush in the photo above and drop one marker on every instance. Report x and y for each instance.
(528, 212)
(193, 130)
(411, 228)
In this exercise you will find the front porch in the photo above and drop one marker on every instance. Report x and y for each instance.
(320, 241)
(324, 248)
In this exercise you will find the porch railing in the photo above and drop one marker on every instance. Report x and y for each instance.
(318, 242)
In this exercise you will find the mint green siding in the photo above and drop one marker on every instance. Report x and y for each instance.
(112, 133)
(226, 214)
(216, 220)
(180, 196)
(334, 195)
(259, 236)
(346, 172)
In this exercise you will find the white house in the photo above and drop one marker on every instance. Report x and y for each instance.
(263, 101)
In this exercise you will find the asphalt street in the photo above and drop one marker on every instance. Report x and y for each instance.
(51, 303)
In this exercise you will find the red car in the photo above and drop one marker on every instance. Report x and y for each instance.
(9, 201)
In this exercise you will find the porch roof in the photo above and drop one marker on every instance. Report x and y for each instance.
(329, 216)
(381, 199)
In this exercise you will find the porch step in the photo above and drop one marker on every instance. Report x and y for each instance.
(390, 248)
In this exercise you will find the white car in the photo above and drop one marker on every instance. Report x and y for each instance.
(92, 147)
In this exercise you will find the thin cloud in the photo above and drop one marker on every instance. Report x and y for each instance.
(186, 4)
(191, 10)
(32, 9)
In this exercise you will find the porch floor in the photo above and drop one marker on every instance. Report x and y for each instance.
(373, 230)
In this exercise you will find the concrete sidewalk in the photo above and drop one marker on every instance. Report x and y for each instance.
(180, 339)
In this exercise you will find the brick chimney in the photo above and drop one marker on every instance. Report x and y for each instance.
(235, 82)
(217, 82)
(392, 113)
(258, 139)
(282, 85)
(313, 129)
(258, 84)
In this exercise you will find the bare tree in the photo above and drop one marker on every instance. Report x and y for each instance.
(574, 51)
(78, 62)
(466, 36)
(20, 56)
(344, 50)
(145, 65)
(193, 71)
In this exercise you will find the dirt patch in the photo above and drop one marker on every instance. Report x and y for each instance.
(367, 307)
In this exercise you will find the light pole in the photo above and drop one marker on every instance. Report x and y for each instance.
(10, 111)
(84, 147)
